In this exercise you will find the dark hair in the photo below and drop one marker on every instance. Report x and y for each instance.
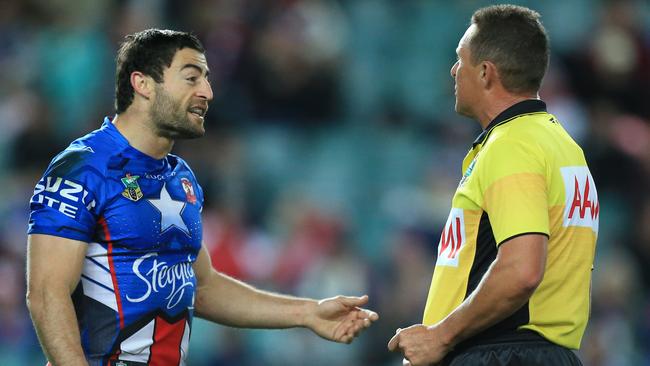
(514, 39)
(149, 52)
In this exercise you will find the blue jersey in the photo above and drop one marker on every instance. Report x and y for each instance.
(141, 218)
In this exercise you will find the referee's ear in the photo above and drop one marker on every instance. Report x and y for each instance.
(489, 75)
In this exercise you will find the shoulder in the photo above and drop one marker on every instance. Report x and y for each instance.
(510, 150)
(522, 134)
(527, 127)
(180, 163)
(89, 155)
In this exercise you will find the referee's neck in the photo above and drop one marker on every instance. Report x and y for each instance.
(496, 103)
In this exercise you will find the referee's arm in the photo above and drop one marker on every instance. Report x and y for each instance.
(506, 286)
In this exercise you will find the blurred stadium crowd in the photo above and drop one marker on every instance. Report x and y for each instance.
(332, 151)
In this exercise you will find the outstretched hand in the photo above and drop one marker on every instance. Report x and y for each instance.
(340, 318)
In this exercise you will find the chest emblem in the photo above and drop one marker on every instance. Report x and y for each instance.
(189, 190)
(468, 172)
(170, 211)
(132, 190)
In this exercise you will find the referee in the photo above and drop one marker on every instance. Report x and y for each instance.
(511, 284)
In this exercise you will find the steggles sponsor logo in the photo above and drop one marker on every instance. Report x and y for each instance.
(177, 278)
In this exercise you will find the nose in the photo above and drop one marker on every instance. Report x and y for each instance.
(453, 70)
(205, 90)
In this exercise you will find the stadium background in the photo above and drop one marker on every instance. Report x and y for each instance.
(332, 151)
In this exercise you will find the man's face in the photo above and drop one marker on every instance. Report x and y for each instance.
(466, 77)
(181, 100)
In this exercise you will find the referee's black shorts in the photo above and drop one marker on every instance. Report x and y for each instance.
(524, 353)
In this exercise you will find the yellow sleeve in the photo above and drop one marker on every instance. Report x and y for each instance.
(512, 177)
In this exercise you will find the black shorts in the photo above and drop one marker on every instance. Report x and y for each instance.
(536, 353)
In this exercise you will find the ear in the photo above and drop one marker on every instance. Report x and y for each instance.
(489, 74)
(142, 84)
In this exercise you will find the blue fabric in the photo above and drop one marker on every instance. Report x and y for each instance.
(141, 218)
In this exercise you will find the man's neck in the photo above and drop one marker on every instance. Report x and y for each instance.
(498, 104)
(139, 132)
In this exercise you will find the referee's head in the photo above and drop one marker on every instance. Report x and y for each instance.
(515, 41)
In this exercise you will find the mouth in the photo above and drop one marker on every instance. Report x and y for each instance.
(198, 111)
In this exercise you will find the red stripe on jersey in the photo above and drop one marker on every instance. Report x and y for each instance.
(107, 234)
(167, 337)
(114, 356)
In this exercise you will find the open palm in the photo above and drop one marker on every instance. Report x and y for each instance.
(341, 318)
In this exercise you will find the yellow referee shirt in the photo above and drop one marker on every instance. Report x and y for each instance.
(524, 175)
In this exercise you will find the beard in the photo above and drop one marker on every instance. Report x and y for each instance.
(171, 120)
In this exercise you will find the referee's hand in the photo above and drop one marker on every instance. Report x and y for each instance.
(420, 345)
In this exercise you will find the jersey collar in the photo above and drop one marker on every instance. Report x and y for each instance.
(110, 128)
(523, 107)
(127, 149)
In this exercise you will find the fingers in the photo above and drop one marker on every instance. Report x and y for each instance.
(352, 328)
(352, 301)
(367, 314)
(357, 326)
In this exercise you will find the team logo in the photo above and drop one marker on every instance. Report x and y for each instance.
(189, 190)
(132, 190)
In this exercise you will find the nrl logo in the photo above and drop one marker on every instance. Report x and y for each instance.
(132, 190)
(468, 172)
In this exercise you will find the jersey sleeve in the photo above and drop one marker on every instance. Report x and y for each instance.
(515, 195)
(66, 199)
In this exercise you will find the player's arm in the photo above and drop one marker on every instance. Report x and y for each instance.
(227, 301)
(507, 285)
(53, 270)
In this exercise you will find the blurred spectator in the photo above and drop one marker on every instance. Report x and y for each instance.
(329, 158)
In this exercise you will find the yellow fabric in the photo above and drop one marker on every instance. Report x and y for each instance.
(528, 176)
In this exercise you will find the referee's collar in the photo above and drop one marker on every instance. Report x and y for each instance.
(523, 107)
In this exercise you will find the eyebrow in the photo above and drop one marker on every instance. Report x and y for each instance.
(197, 67)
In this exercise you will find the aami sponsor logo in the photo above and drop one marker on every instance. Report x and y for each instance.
(581, 206)
(452, 239)
(63, 195)
(174, 279)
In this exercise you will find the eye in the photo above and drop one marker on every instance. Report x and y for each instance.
(192, 79)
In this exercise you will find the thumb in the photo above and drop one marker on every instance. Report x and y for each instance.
(353, 301)
(394, 342)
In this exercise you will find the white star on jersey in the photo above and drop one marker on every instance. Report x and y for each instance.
(170, 211)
